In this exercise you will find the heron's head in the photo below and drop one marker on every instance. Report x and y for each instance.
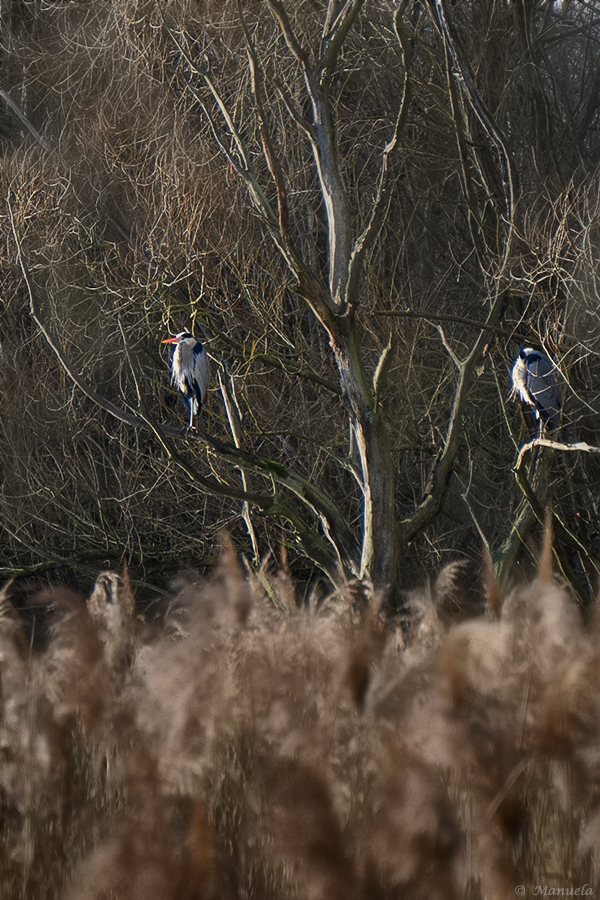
(524, 352)
(179, 338)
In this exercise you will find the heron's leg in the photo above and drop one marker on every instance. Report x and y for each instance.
(191, 415)
(541, 430)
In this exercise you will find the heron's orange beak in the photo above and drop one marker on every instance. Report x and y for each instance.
(170, 341)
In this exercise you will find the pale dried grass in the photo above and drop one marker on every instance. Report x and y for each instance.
(238, 750)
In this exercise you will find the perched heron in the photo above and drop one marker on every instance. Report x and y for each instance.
(189, 370)
(534, 381)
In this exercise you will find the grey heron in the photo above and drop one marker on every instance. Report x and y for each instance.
(189, 370)
(534, 381)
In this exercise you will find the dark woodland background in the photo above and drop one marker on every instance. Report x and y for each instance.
(212, 165)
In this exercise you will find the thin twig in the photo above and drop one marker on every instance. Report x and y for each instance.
(24, 120)
(459, 320)
(378, 211)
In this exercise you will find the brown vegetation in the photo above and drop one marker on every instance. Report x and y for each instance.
(243, 751)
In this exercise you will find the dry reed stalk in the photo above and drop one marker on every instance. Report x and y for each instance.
(244, 750)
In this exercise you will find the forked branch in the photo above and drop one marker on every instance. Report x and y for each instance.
(438, 479)
(336, 35)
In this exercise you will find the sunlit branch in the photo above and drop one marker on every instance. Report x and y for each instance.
(323, 141)
(283, 20)
(334, 39)
(556, 445)
(236, 432)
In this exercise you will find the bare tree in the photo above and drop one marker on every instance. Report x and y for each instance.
(364, 208)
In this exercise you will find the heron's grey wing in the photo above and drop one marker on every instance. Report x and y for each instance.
(202, 372)
(544, 388)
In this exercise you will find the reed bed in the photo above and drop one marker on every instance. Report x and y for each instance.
(246, 748)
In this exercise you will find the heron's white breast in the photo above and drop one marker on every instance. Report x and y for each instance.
(183, 360)
(519, 374)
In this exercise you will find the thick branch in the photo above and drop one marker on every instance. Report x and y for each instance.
(291, 40)
(319, 502)
(325, 153)
(79, 561)
(333, 41)
(556, 445)
(235, 427)
(309, 543)
(75, 561)
(323, 139)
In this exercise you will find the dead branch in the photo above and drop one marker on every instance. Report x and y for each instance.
(556, 445)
